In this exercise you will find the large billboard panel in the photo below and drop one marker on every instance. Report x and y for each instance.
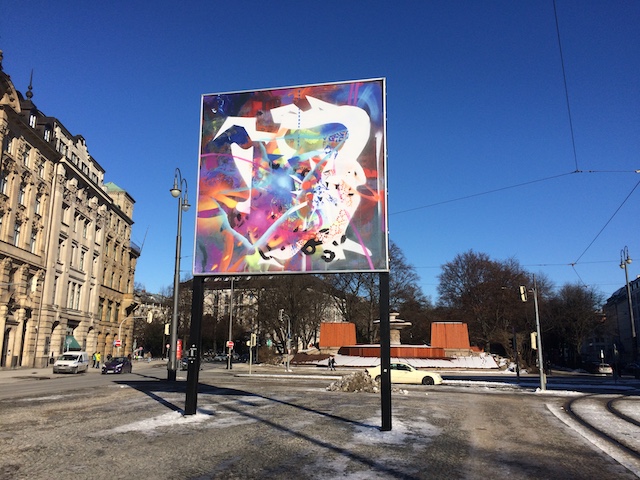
(293, 180)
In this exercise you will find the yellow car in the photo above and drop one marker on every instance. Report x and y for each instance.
(405, 373)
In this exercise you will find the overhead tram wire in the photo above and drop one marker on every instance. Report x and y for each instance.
(566, 90)
(495, 190)
(606, 224)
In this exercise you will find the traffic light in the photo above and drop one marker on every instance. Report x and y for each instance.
(523, 293)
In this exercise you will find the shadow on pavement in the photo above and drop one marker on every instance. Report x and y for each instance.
(155, 389)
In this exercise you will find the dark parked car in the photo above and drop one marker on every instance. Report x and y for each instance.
(117, 365)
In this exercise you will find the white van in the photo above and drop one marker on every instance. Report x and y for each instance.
(73, 362)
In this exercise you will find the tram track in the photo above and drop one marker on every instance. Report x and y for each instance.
(611, 422)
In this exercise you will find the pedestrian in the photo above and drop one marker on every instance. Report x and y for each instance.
(93, 357)
(332, 363)
(98, 358)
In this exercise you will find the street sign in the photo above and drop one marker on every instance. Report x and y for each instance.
(117, 343)
(230, 344)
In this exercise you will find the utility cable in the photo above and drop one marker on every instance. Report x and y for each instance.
(566, 90)
(608, 221)
(484, 193)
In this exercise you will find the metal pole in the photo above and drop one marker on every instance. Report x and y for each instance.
(624, 260)
(288, 343)
(229, 359)
(173, 359)
(543, 379)
(515, 348)
(385, 352)
(183, 204)
(195, 340)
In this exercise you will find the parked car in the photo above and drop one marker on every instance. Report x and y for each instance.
(71, 362)
(600, 368)
(221, 357)
(117, 365)
(405, 373)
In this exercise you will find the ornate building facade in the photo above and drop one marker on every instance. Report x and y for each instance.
(67, 261)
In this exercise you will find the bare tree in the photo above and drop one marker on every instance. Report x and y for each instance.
(574, 316)
(482, 292)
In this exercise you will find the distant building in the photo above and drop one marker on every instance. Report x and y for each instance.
(67, 261)
(616, 311)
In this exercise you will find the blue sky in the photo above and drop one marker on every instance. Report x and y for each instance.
(480, 148)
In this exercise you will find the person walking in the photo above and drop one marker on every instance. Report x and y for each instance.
(98, 358)
(332, 363)
(93, 357)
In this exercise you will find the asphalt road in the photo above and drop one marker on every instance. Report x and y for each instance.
(273, 427)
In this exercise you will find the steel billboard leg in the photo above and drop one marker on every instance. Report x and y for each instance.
(385, 352)
(195, 345)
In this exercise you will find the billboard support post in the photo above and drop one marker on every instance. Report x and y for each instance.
(195, 340)
(385, 353)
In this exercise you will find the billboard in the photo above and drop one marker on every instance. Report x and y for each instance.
(293, 180)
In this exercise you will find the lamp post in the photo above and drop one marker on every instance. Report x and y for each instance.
(523, 297)
(183, 206)
(120, 330)
(624, 261)
(543, 377)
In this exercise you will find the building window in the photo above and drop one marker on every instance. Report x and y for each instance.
(100, 309)
(25, 156)
(21, 194)
(16, 235)
(33, 242)
(55, 287)
(60, 247)
(71, 295)
(47, 134)
(41, 170)
(38, 204)
(3, 183)
(65, 214)
(78, 295)
(32, 120)
(6, 143)
(82, 256)
(85, 227)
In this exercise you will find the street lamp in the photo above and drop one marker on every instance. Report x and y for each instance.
(120, 330)
(183, 206)
(624, 261)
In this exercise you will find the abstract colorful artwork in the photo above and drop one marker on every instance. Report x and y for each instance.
(293, 180)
